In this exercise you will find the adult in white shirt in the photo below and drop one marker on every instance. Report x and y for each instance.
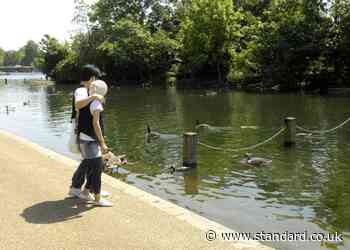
(81, 99)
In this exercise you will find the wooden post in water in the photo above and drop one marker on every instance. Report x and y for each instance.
(190, 149)
(290, 133)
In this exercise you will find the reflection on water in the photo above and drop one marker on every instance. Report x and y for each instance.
(305, 188)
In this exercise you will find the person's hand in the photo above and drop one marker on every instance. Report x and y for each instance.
(104, 148)
(98, 97)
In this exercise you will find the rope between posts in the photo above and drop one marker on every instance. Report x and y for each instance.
(244, 148)
(324, 131)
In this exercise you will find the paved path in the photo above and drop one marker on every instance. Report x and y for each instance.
(35, 213)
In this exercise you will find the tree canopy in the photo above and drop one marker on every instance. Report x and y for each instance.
(290, 44)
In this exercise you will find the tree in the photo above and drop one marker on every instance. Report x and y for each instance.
(209, 34)
(12, 57)
(107, 12)
(2, 55)
(51, 53)
(340, 39)
(30, 53)
(134, 53)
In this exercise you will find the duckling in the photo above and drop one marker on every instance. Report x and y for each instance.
(202, 125)
(151, 135)
(256, 161)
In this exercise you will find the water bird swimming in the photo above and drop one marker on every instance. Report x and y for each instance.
(211, 93)
(256, 161)
(202, 125)
(249, 127)
(151, 135)
(172, 169)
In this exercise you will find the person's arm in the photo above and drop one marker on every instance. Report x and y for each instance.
(98, 131)
(83, 102)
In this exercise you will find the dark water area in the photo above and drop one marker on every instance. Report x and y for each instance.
(306, 188)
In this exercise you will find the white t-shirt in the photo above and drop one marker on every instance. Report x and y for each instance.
(82, 93)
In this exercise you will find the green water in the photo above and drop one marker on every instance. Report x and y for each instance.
(305, 188)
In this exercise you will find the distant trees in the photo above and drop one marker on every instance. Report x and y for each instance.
(291, 44)
(24, 56)
(30, 51)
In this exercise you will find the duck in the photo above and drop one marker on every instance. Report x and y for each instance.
(249, 127)
(256, 161)
(202, 125)
(151, 135)
(172, 169)
(26, 103)
(211, 93)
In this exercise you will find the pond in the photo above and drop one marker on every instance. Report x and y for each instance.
(306, 188)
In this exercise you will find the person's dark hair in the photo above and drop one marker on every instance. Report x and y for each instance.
(89, 71)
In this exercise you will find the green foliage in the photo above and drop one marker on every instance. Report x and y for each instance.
(293, 44)
(207, 35)
(2, 56)
(31, 50)
(51, 53)
(13, 57)
(134, 53)
(67, 70)
(340, 39)
(107, 12)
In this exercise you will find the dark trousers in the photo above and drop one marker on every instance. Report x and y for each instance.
(91, 169)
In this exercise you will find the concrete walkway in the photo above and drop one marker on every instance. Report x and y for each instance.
(35, 213)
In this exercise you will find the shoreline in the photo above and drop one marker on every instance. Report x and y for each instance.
(172, 210)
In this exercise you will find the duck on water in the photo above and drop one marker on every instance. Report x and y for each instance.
(207, 127)
(255, 161)
(202, 125)
(152, 135)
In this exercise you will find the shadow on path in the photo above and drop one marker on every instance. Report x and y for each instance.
(55, 211)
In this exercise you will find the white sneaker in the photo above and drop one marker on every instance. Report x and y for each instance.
(104, 193)
(103, 203)
(74, 192)
(87, 197)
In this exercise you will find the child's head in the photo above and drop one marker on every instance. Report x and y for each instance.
(98, 87)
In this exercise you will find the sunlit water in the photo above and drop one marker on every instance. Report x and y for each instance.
(305, 188)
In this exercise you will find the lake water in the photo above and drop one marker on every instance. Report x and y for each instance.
(306, 188)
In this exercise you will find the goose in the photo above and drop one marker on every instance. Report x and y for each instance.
(202, 125)
(256, 161)
(151, 135)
